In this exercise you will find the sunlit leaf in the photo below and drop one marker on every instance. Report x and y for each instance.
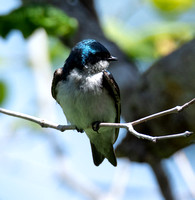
(173, 5)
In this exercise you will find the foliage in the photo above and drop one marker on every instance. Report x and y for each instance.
(28, 18)
(2, 91)
(173, 5)
(149, 42)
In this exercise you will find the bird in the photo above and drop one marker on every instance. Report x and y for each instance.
(89, 95)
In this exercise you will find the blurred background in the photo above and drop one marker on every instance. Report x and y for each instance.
(36, 38)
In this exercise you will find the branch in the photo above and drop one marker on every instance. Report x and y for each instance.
(176, 109)
(129, 126)
(43, 123)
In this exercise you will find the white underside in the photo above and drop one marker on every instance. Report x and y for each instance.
(84, 101)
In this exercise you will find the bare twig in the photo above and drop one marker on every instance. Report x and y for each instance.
(128, 126)
(43, 123)
(176, 109)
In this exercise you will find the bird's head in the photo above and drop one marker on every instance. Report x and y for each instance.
(89, 56)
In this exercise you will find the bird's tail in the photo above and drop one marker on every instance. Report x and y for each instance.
(98, 157)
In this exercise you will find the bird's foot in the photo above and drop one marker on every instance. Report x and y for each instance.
(96, 126)
(79, 130)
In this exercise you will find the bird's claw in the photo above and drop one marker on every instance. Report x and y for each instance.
(96, 126)
(79, 130)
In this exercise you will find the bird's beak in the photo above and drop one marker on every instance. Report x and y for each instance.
(112, 58)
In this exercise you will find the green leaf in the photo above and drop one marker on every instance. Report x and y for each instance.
(28, 18)
(173, 5)
(3, 92)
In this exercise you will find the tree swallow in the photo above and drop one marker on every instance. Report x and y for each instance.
(88, 95)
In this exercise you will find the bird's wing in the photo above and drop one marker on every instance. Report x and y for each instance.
(58, 76)
(110, 84)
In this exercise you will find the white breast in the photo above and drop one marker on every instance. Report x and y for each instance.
(84, 101)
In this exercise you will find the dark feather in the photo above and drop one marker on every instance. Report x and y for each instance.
(110, 84)
(112, 156)
(97, 156)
